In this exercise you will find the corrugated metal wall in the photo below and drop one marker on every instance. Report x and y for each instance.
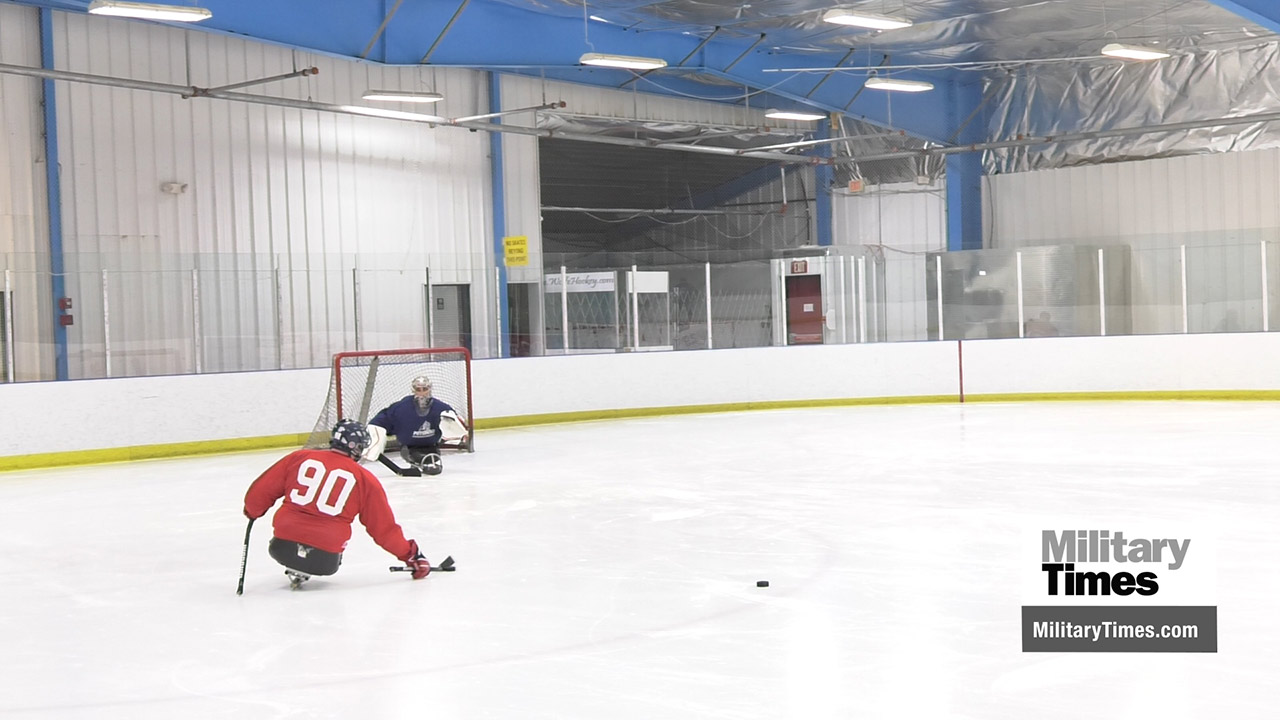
(522, 209)
(1217, 198)
(273, 215)
(1222, 207)
(521, 191)
(896, 225)
(24, 231)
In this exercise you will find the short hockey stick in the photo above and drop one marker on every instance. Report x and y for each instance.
(446, 565)
(244, 559)
(402, 472)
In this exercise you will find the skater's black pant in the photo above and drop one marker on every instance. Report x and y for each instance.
(304, 558)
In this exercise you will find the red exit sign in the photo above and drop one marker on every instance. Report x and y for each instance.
(799, 267)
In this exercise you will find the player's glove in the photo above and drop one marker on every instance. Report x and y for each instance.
(416, 562)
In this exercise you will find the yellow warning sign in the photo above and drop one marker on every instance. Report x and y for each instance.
(515, 250)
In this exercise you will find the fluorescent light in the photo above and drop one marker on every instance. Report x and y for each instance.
(622, 61)
(403, 96)
(149, 11)
(883, 83)
(1133, 52)
(863, 19)
(793, 115)
(393, 114)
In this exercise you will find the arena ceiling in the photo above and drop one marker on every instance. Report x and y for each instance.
(770, 53)
(767, 53)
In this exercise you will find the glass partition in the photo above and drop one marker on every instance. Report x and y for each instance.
(137, 315)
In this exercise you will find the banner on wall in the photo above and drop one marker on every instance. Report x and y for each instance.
(583, 282)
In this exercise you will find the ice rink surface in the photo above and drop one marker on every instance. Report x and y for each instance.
(608, 570)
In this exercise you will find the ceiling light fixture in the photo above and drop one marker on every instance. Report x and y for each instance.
(149, 11)
(1132, 52)
(402, 96)
(856, 18)
(883, 83)
(793, 115)
(628, 62)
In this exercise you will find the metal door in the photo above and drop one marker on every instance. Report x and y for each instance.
(451, 316)
(521, 302)
(804, 309)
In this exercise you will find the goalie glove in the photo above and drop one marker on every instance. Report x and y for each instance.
(452, 430)
(378, 435)
(416, 562)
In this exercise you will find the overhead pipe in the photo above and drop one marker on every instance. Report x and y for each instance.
(513, 111)
(648, 211)
(201, 92)
(826, 141)
(188, 91)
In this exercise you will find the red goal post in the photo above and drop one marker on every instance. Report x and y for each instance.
(366, 381)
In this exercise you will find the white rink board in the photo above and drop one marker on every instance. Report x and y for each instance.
(188, 408)
(1133, 363)
(582, 383)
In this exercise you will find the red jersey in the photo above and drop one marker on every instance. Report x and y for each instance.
(324, 491)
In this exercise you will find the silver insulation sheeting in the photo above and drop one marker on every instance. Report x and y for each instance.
(944, 30)
(1198, 87)
(1038, 62)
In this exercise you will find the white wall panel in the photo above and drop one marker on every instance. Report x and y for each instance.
(24, 230)
(522, 188)
(1226, 201)
(317, 194)
(1214, 199)
(896, 225)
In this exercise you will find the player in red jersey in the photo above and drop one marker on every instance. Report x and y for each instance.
(324, 491)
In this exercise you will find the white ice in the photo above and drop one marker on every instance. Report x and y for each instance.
(608, 570)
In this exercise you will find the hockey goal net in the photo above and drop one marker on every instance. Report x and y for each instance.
(367, 381)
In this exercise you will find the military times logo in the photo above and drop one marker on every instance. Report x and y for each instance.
(1061, 551)
(1090, 565)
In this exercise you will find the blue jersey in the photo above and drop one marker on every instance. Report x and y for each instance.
(412, 426)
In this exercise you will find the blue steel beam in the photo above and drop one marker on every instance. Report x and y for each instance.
(499, 216)
(1263, 12)
(823, 177)
(53, 185)
(964, 171)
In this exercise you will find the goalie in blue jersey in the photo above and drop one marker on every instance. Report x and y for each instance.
(421, 424)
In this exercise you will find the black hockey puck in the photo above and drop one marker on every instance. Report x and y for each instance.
(762, 583)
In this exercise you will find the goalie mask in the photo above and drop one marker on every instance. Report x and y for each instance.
(422, 394)
(350, 438)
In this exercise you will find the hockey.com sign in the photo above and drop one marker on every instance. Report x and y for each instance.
(581, 282)
(1110, 589)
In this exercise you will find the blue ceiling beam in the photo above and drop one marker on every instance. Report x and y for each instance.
(1263, 12)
